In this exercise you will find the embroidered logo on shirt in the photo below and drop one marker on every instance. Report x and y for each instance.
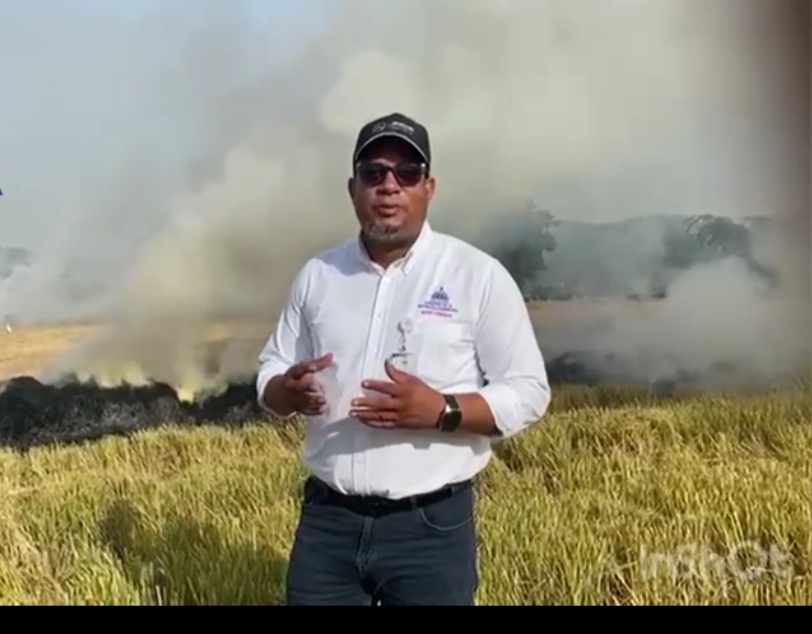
(438, 304)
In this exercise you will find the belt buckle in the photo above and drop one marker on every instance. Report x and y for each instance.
(379, 507)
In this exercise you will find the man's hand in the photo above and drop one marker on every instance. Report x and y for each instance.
(300, 389)
(406, 402)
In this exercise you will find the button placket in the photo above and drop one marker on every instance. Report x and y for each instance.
(375, 339)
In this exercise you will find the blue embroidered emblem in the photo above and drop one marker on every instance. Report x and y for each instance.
(438, 304)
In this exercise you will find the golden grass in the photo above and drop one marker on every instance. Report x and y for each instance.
(30, 350)
(206, 516)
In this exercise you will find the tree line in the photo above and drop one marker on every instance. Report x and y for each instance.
(637, 258)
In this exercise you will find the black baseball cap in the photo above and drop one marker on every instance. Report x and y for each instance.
(398, 126)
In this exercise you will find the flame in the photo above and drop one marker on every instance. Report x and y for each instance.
(191, 387)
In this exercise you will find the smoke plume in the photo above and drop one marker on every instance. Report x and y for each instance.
(599, 110)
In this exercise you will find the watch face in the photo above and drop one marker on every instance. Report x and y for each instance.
(451, 420)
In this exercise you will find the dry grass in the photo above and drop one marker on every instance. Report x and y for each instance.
(583, 509)
(30, 350)
(207, 516)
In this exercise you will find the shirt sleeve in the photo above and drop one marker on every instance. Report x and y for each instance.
(517, 388)
(290, 343)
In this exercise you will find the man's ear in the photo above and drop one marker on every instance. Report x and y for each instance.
(431, 185)
(351, 187)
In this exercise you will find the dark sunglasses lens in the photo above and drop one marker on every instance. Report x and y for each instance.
(372, 174)
(409, 173)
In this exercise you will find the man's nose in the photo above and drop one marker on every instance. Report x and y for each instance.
(390, 183)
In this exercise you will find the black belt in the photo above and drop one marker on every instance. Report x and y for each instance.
(377, 506)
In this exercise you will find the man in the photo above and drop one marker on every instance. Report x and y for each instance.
(408, 351)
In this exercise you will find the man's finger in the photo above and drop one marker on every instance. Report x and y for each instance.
(304, 382)
(317, 365)
(313, 405)
(306, 386)
(385, 387)
(377, 403)
(310, 367)
(296, 372)
(394, 373)
(382, 416)
(314, 399)
(375, 418)
(307, 382)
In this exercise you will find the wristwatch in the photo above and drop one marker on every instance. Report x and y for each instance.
(451, 416)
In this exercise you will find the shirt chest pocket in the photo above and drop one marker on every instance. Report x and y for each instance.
(444, 353)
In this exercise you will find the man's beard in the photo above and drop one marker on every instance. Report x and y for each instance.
(388, 235)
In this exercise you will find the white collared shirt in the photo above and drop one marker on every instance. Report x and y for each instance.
(467, 330)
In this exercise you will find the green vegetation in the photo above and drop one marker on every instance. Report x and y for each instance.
(557, 259)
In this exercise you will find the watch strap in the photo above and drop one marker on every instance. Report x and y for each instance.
(451, 417)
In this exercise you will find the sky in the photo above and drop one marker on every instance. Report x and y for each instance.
(74, 73)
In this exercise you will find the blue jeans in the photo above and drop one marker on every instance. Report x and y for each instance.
(347, 554)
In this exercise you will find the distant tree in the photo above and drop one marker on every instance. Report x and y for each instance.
(520, 242)
(706, 239)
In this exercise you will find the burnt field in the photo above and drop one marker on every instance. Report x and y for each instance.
(71, 410)
(33, 413)
(589, 362)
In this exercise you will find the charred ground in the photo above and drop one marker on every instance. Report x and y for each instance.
(33, 413)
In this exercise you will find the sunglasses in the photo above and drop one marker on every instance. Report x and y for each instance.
(407, 174)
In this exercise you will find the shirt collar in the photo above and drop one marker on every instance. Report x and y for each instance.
(407, 262)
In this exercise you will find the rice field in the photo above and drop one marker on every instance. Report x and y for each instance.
(617, 497)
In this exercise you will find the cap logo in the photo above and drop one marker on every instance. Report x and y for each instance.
(402, 127)
(395, 126)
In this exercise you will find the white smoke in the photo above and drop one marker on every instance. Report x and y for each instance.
(620, 107)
